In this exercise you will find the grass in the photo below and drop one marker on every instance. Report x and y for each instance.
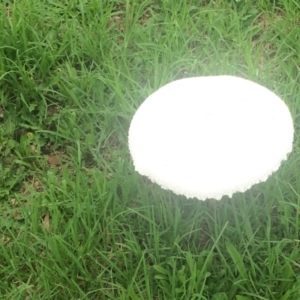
(76, 221)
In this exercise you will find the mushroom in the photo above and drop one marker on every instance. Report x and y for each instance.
(207, 137)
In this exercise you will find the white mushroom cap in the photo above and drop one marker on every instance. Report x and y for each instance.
(207, 137)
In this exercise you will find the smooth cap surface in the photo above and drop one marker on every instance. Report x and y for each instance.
(207, 137)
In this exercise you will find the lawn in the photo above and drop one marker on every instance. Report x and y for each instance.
(77, 222)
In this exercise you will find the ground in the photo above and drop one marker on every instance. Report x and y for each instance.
(77, 221)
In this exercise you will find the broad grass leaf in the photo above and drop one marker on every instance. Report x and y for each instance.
(237, 259)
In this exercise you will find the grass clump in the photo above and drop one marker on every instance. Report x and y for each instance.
(77, 222)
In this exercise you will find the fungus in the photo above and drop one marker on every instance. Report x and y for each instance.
(207, 137)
